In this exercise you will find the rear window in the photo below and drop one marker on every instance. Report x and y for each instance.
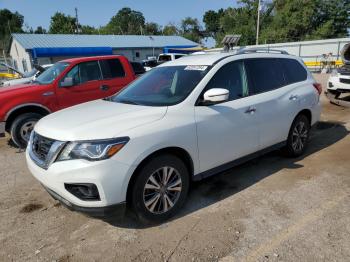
(112, 68)
(294, 71)
(264, 74)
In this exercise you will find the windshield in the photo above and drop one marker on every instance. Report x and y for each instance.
(162, 86)
(164, 58)
(49, 75)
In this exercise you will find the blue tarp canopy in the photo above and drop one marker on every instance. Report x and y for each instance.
(70, 51)
(182, 49)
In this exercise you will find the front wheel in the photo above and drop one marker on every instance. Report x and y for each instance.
(160, 189)
(21, 128)
(298, 136)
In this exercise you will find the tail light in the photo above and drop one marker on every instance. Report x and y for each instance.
(318, 87)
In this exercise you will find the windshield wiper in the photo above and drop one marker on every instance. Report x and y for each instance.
(124, 101)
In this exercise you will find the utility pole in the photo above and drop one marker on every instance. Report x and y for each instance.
(76, 21)
(258, 23)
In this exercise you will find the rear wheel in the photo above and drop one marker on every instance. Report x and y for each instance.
(298, 136)
(21, 128)
(160, 189)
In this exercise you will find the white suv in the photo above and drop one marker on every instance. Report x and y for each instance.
(184, 120)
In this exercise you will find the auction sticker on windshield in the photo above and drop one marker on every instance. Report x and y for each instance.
(196, 67)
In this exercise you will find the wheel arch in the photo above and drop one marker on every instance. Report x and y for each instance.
(22, 109)
(307, 113)
(176, 151)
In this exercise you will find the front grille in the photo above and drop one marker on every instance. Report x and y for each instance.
(344, 70)
(344, 80)
(41, 146)
(43, 151)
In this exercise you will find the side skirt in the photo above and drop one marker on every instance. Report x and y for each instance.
(229, 165)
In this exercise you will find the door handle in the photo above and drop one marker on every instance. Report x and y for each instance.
(250, 110)
(104, 87)
(293, 97)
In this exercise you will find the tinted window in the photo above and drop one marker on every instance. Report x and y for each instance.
(264, 74)
(89, 71)
(231, 77)
(178, 56)
(74, 74)
(294, 71)
(138, 68)
(112, 68)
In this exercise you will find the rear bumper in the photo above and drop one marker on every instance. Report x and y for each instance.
(115, 211)
(2, 129)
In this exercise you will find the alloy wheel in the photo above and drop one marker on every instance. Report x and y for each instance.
(162, 190)
(299, 136)
(26, 129)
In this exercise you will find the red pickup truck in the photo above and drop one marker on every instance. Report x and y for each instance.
(66, 83)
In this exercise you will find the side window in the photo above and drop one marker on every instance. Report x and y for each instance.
(112, 68)
(74, 74)
(89, 71)
(264, 74)
(231, 77)
(178, 56)
(294, 71)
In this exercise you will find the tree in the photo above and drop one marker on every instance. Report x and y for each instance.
(191, 29)
(152, 29)
(62, 24)
(171, 29)
(9, 23)
(88, 30)
(211, 20)
(40, 30)
(126, 22)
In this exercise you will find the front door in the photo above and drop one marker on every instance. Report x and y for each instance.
(227, 131)
(87, 85)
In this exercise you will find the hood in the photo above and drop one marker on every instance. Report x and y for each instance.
(14, 88)
(98, 119)
(25, 80)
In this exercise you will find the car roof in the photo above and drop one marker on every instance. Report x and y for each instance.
(210, 59)
(89, 58)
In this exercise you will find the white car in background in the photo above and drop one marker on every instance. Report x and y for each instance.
(27, 77)
(184, 120)
(162, 58)
(339, 81)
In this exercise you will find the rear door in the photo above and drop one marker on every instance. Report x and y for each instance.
(276, 106)
(114, 76)
(86, 86)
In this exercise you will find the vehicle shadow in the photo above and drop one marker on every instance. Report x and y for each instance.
(216, 188)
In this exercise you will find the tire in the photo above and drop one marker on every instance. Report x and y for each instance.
(21, 128)
(298, 137)
(144, 200)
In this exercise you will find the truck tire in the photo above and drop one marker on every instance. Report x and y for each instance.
(160, 189)
(21, 128)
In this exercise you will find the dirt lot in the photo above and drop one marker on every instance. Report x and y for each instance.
(269, 209)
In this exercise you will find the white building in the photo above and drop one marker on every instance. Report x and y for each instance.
(27, 49)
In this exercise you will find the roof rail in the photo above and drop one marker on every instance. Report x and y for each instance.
(260, 50)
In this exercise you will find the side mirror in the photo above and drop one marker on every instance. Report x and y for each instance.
(67, 82)
(215, 95)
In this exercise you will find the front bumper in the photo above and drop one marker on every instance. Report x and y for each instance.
(334, 84)
(2, 129)
(110, 177)
(115, 211)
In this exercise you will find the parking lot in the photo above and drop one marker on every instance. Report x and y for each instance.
(269, 209)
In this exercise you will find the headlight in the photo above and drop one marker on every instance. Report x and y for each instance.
(92, 150)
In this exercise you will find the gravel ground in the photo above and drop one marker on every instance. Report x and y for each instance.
(269, 209)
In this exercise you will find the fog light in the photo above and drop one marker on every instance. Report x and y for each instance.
(330, 84)
(87, 192)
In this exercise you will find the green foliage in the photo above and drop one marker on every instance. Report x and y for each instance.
(62, 24)
(9, 23)
(191, 29)
(171, 29)
(152, 29)
(126, 22)
(40, 30)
